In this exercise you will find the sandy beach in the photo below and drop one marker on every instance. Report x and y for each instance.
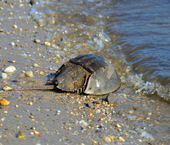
(50, 118)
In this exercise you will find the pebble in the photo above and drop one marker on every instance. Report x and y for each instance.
(4, 75)
(15, 26)
(10, 69)
(118, 126)
(98, 110)
(31, 117)
(47, 43)
(36, 132)
(98, 131)
(36, 65)
(3, 119)
(121, 139)
(31, 133)
(37, 40)
(12, 44)
(83, 123)
(91, 115)
(29, 73)
(4, 102)
(107, 139)
(20, 135)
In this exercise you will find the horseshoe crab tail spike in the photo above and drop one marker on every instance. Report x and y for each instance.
(46, 87)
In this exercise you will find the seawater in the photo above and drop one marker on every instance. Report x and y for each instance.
(133, 35)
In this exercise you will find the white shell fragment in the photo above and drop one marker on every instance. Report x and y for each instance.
(12, 44)
(83, 123)
(37, 40)
(36, 65)
(4, 75)
(47, 43)
(6, 88)
(15, 26)
(29, 74)
(10, 69)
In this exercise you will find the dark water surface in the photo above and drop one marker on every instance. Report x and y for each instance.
(134, 35)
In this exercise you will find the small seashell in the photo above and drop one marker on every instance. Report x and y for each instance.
(10, 69)
(29, 74)
(4, 75)
(4, 102)
(6, 88)
(107, 139)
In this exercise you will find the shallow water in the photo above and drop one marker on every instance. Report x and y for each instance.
(134, 35)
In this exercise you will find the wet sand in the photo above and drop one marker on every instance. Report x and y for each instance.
(46, 117)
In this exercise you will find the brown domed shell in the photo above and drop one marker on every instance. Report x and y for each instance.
(89, 74)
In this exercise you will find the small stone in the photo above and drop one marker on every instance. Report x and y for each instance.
(111, 137)
(83, 123)
(4, 76)
(118, 126)
(3, 119)
(147, 118)
(15, 26)
(98, 110)
(41, 72)
(37, 40)
(17, 116)
(47, 43)
(149, 113)
(36, 65)
(32, 117)
(10, 69)
(20, 135)
(107, 139)
(29, 74)
(12, 44)
(31, 133)
(4, 102)
(91, 115)
(121, 139)
(98, 131)
(36, 132)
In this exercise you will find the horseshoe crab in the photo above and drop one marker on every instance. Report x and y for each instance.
(88, 74)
